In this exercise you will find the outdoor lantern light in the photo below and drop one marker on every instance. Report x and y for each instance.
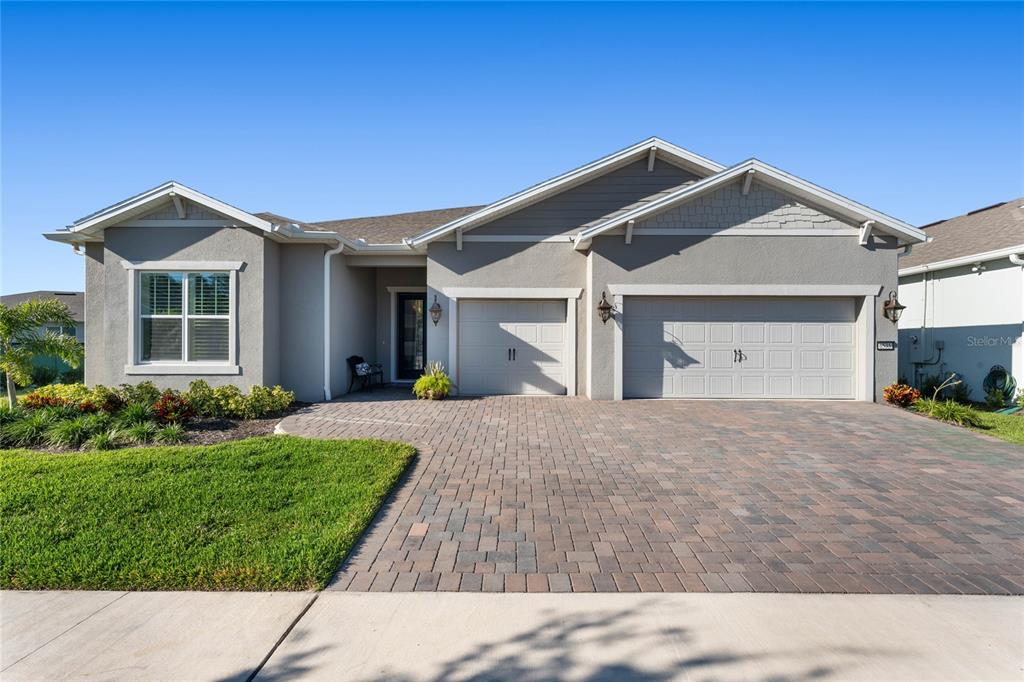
(892, 309)
(435, 311)
(604, 309)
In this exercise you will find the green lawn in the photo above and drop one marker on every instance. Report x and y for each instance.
(1008, 427)
(271, 513)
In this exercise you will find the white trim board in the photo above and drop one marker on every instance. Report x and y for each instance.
(962, 260)
(512, 292)
(183, 265)
(738, 232)
(801, 290)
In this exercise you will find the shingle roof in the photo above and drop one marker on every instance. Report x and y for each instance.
(384, 229)
(986, 229)
(74, 300)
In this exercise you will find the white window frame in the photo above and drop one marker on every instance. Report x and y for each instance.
(135, 364)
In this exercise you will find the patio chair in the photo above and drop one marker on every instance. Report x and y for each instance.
(363, 371)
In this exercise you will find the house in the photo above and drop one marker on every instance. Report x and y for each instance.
(74, 300)
(652, 272)
(964, 293)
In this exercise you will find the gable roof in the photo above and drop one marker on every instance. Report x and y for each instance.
(531, 195)
(74, 300)
(768, 176)
(981, 233)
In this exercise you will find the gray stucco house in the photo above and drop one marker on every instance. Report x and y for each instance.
(724, 282)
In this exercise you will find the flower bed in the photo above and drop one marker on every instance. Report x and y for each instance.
(74, 416)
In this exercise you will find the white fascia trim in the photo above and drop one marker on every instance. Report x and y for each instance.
(962, 260)
(512, 292)
(771, 177)
(109, 216)
(529, 238)
(554, 185)
(157, 369)
(183, 265)
(744, 289)
(742, 232)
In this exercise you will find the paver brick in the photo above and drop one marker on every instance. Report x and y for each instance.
(511, 494)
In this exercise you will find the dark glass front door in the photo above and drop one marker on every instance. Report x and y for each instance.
(412, 335)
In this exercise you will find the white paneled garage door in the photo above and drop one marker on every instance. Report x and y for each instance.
(739, 348)
(512, 347)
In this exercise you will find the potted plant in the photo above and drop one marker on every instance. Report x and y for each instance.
(434, 384)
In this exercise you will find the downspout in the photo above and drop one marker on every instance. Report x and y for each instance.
(1018, 362)
(327, 317)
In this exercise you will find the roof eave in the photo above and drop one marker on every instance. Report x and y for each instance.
(959, 261)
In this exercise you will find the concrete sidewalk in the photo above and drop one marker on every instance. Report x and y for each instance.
(435, 636)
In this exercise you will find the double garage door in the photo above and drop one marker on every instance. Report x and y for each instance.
(512, 347)
(739, 348)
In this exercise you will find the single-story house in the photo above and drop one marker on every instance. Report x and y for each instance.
(652, 272)
(74, 300)
(964, 292)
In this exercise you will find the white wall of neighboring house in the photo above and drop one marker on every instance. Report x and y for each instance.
(976, 314)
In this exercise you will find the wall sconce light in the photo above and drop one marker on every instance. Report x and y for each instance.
(604, 309)
(435, 311)
(892, 309)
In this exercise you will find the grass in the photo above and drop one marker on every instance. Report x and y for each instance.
(270, 513)
(1008, 427)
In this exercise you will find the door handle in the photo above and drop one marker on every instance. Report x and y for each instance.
(513, 355)
(510, 355)
(735, 355)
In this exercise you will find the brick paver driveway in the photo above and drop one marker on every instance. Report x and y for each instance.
(565, 494)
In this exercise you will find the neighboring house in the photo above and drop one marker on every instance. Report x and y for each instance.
(74, 300)
(964, 293)
(724, 282)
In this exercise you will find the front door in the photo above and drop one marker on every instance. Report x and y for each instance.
(412, 335)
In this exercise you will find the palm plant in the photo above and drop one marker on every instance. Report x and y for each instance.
(20, 340)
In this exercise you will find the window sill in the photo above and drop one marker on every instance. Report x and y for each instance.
(197, 369)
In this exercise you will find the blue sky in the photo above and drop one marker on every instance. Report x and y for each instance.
(321, 111)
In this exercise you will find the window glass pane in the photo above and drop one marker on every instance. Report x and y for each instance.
(208, 293)
(161, 293)
(207, 340)
(161, 338)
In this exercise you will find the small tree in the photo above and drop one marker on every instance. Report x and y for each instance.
(20, 340)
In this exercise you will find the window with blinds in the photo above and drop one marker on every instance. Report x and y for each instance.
(185, 316)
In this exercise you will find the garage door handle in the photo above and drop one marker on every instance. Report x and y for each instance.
(513, 355)
(735, 355)
(510, 355)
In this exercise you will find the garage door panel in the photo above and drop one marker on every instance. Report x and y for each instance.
(791, 348)
(536, 330)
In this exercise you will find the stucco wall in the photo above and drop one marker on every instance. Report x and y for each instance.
(976, 315)
(568, 211)
(301, 315)
(353, 307)
(738, 260)
(108, 347)
(502, 265)
(95, 302)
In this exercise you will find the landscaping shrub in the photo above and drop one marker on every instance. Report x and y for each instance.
(901, 394)
(28, 431)
(995, 399)
(434, 384)
(103, 440)
(136, 413)
(43, 375)
(200, 396)
(69, 433)
(173, 408)
(79, 396)
(949, 411)
(263, 401)
(9, 414)
(98, 421)
(930, 384)
(144, 392)
(141, 433)
(961, 393)
(171, 434)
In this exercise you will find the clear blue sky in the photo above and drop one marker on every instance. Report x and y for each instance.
(321, 111)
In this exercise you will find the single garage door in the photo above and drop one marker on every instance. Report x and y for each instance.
(739, 348)
(512, 347)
